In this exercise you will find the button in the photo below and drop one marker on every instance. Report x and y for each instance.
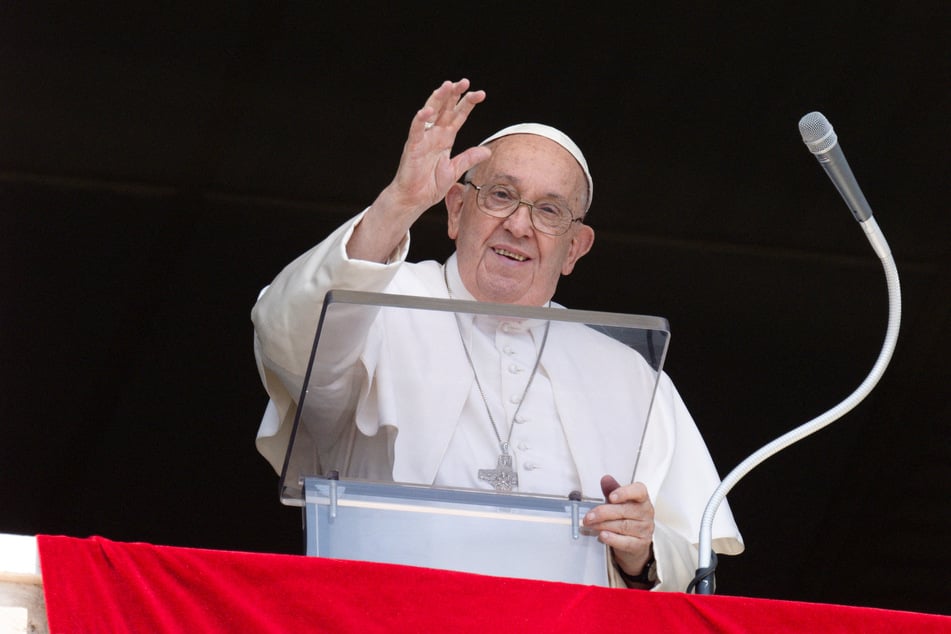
(508, 350)
(523, 446)
(531, 466)
(515, 368)
(521, 418)
(515, 398)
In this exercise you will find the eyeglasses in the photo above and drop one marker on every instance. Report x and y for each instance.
(501, 201)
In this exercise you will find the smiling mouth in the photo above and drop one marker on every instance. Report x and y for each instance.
(510, 255)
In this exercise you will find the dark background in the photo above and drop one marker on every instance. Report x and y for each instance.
(158, 167)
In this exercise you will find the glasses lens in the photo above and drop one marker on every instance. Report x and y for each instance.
(551, 218)
(498, 199)
(547, 216)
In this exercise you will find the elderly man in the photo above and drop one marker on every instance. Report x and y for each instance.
(516, 206)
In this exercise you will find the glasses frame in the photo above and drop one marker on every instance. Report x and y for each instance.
(519, 203)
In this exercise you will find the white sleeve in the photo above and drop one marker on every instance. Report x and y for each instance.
(285, 321)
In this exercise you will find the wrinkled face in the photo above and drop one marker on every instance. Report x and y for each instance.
(506, 260)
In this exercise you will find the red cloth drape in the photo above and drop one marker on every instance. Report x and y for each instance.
(96, 585)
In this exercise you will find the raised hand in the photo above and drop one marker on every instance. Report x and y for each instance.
(426, 171)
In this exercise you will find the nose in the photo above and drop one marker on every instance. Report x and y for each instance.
(519, 222)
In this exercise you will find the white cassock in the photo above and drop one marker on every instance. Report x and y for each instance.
(421, 417)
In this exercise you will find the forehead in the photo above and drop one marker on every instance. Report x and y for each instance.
(534, 163)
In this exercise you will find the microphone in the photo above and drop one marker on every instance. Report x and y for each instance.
(820, 138)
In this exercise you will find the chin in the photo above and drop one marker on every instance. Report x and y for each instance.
(502, 294)
(521, 297)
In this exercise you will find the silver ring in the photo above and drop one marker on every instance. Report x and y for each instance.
(428, 125)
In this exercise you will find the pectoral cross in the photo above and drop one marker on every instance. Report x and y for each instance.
(503, 477)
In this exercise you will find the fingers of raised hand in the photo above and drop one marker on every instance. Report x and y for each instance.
(448, 107)
(463, 161)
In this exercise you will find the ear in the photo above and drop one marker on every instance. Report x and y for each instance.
(581, 243)
(454, 199)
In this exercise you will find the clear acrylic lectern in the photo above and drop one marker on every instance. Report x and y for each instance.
(393, 375)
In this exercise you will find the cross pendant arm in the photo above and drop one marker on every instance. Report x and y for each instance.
(503, 477)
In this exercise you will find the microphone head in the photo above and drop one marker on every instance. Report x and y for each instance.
(817, 133)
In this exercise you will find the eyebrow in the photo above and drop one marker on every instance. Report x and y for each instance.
(497, 179)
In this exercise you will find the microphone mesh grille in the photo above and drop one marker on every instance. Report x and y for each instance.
(817, 132)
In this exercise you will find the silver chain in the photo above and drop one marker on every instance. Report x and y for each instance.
(504, 445)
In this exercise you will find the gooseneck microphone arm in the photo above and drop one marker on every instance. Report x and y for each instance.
(818, 135)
